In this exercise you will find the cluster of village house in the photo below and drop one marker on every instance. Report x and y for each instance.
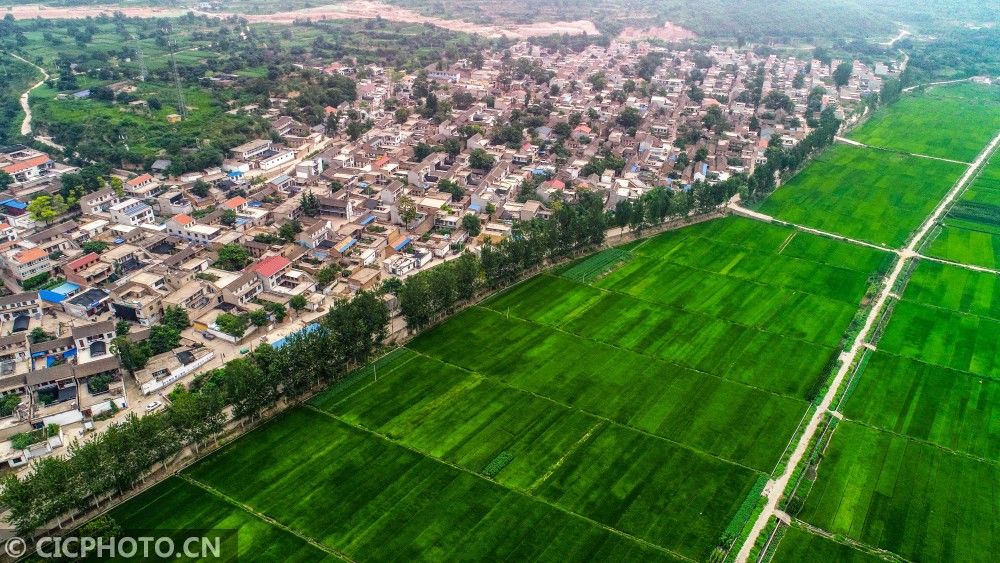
(162, 239)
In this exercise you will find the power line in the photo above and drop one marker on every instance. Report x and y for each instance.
(181, 104)
(143, 71)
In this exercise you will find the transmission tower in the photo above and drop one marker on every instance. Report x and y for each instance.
(143, 71)
(181, 104)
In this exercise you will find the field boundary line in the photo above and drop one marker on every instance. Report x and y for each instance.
(854, 143)
(661, 360)
(961, 372)
(908, 252)
(845, 540)
(370, 383)
(595, 415)
(787, 241)
(572, 449)
(679, 309)
(265, 518)
(477, 475)
(973, 267)
(914, 439)
(755, 281)
(734, 205)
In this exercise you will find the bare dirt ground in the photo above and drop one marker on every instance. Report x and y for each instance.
(668, 32)
(352, 9)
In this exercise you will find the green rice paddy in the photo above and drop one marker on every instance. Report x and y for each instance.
(911, 468)
(953, 121)
(798, 545)
(863, 193)
(627, 417)
(970, 232)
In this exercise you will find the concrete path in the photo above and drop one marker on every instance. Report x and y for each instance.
(909, 252)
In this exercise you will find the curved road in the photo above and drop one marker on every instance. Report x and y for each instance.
(26, 124)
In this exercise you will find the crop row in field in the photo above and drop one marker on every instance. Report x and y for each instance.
(864, 193)
(970, 232)
(911, 468)
(953, 121)
(623, 420)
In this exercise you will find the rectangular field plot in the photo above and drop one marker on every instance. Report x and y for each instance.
(952, 409)
(695, 409)
(550, 448)
(375, 500)
(955, 288)
(798, 545)
(176, 504)
(621, 408)
(954, 121)
(970, 232)
(872, 195)
(944, 337)
(912, 498)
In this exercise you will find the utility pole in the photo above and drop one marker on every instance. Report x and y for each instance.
(143, 71)
(181, 104)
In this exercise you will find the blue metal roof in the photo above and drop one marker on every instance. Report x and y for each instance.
(367, 220)
(403, 244)
(14, 204)
(50, 296)
(347, 245)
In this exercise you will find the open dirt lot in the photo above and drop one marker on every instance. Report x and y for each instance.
(355, 9)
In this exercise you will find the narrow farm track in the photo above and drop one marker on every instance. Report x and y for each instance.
(854, 143)
(735, 207)
(776, 489)
(25, 106)
(972, 267)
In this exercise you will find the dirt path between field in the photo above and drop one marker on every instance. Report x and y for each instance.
(25, 106)
(736, 208)
(854, 143)
(351, 9)
(776, 489)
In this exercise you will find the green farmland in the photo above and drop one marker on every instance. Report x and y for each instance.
(954, 121)
(864, 193)
(617, 418)
(970, 232)
(798, 545)
(908, 469)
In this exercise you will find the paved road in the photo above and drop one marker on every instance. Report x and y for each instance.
(776, 489)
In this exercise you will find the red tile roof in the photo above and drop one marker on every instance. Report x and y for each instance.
(182, 219)
(30, 255)
(139, 180)
(26, 164)
(82, 261)
(235, 202)
(271, 265)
